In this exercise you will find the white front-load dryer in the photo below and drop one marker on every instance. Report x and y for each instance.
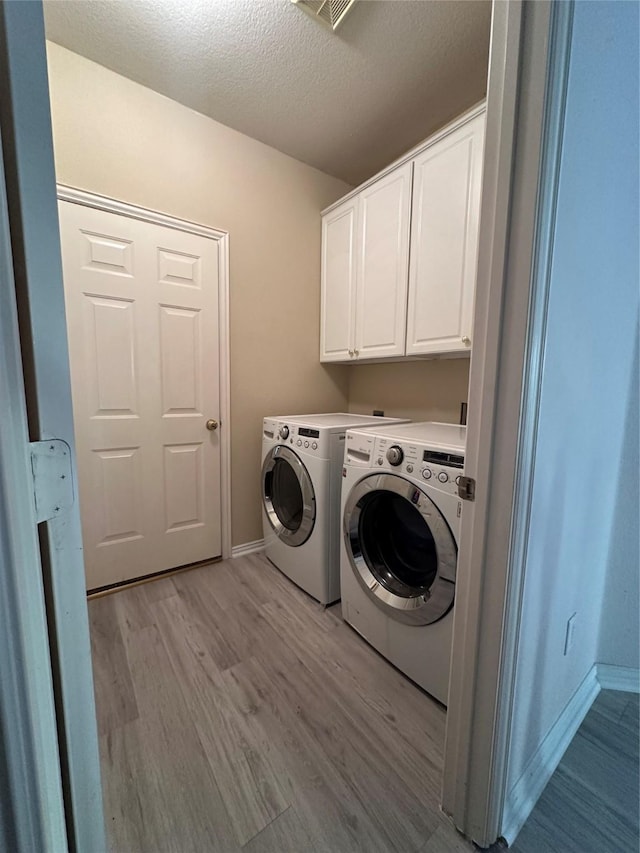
(399, 544)
(301, 472)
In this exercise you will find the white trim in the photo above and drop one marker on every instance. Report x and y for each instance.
(542, 765)
(622, 678)
(31, 194)
(155, 217)
(464, 715)
(557, 74)
(30, 761)
(526, 83)
(225, 394)
(462, 119)
(134, 211)
(247, 548)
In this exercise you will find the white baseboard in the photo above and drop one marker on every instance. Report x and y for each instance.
(525, 793)
(247, 548)
(618, 678)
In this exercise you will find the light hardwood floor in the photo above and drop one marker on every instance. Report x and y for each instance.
(236, 714)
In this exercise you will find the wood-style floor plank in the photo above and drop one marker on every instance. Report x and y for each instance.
(167, 781)
(111, 674)
(327, 790)
(285, 834)
(247, 783)
(365, 687)
(327, 810)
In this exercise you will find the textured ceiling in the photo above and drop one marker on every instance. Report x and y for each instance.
(347, 103)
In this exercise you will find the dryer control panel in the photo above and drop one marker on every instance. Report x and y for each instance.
(302, 439)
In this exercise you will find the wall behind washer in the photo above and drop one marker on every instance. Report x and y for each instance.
(429, 390)
(119, 139)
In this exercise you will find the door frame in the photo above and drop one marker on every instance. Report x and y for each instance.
(34, 812)
(27, 151)
(154, 217)
(529, 66)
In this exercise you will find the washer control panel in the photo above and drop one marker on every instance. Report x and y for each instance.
(439, 470)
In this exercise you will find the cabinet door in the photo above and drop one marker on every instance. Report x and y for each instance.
(444, 242)
(383, 265)
(337, 308)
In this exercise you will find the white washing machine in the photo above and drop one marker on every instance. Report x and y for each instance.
(399, 544)
(301, 466)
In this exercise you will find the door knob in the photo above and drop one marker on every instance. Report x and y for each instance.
(212, 424)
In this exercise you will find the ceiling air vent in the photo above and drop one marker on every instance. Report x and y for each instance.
(330, 12)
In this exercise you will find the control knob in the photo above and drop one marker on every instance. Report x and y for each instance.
(284, 431)
(395, 455)
(443, 476)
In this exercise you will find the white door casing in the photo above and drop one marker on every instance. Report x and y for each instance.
(33, 801)
(447, 183)
(47, 631)
(143, 321)
(383, 260)
(525, 114)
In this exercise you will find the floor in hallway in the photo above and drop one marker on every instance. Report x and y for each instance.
(591, 802)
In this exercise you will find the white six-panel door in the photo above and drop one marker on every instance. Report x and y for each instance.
(142, 317)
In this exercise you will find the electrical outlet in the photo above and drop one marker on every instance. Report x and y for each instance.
(570, 634)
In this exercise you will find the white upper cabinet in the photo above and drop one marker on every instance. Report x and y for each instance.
(381, 267)
(337, 311)
(447, 182)
(399, 255)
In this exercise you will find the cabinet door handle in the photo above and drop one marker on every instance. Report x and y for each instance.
(466, 340)
(351, 353)
(356, 352)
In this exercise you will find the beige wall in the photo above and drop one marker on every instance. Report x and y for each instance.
(421, 390)
(119, 139)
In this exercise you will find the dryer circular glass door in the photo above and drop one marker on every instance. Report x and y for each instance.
(288, 496)
(401, 548)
